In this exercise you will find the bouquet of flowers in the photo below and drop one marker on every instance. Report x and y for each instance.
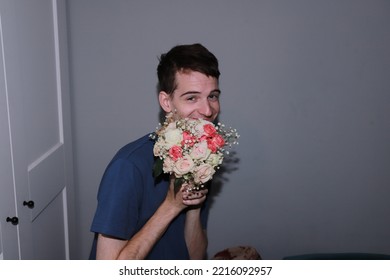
(191, 149)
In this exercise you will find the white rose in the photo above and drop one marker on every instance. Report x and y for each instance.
(173, 137)
(215, 159)
(183, 166)
(171, 125)
(168, 165)
(203, 173)
(199, 131)
(158, 149)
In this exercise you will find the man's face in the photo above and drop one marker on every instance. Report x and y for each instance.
(196, 96)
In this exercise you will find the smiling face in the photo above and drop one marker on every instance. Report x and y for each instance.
(196, 96)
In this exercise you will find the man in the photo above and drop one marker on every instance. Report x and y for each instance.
(141, 217)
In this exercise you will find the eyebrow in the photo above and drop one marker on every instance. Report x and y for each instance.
(198, 92)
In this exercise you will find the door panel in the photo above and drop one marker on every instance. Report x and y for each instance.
(46, 179)
(37, 51)
(49, 232)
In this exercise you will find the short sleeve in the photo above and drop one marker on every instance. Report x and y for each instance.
(118, 200)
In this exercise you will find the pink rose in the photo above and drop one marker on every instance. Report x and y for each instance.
(188, 139)
(175, 152)
(218, 140)
(200, 151)
(209, 129)
(215, 142)
(203, 173)
(183, 166)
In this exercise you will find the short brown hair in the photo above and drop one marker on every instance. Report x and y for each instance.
(193, 57)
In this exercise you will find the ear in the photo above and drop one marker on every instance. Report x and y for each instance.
(165, 101)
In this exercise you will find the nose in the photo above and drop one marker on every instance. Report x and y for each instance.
(206, 110)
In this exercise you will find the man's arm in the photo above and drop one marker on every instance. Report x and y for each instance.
(139, 246)
(195, 235)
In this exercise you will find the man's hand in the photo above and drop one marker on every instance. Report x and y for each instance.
(194, 198)
(185, 197)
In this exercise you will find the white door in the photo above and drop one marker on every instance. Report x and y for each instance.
(8, 232)
(36, 85)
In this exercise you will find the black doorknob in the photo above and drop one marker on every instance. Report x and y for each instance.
(13, 220)
(30, 204)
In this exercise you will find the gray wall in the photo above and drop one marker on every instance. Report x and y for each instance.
(306, 83)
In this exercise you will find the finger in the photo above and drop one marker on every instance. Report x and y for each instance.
(193, 195)
(192, 202)
(202, 191)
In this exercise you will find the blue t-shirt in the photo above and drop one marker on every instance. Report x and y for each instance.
(129, 195)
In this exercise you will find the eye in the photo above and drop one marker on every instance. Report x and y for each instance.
(214, 96)
(191, 98)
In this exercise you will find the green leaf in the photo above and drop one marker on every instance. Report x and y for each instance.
(157, 167)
